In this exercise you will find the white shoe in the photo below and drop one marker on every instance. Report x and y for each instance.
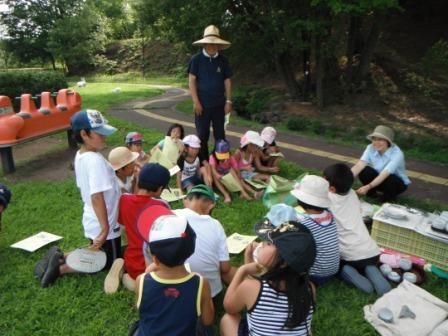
(112, 280)
(128, 282)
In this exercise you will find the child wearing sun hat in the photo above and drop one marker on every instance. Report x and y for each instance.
(312, 194)
(170, 300)
(123, 161)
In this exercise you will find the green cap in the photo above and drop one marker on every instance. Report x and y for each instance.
(203, 190)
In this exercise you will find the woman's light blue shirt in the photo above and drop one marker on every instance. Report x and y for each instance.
(392, 161)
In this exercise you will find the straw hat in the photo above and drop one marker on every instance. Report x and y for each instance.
(121, 156)
(382, 132)
(211, 36)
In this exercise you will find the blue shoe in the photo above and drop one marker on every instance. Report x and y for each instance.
(351, 276)
(379, 282)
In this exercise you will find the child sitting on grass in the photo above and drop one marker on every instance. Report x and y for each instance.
(152, 180)
(170, 300)
(134, 141)
(312, 195)
(264, 158)
(100, 194)
(221, 164)
(123, 161)
(5, 197)
(176, 132)
(250, 145)
(280, 301)
(192, 171)
(359, 252)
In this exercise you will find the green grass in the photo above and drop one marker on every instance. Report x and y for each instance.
(76, 304)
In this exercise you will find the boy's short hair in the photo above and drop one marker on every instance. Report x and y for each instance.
(153, 176)
(340, 177)
(77, 136)
(171, 239)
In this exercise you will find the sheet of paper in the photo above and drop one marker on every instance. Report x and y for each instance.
(35, 242)
(230, 183)
(170, 150)
(172, 196)
(174, 170)
(158, 157)
(236, 243)
(257, 184)
(277, 155)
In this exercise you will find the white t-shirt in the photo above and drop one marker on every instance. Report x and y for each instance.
(211, 247)
(94, 174)
(125, 185)
(355, 242)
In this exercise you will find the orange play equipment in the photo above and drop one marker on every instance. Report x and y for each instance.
(32, 123)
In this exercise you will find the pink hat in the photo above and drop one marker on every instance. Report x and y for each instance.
(268, 134)
(192, 141)
(253, 138)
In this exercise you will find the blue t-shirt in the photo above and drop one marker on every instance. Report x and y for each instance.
(210, 74)
(169, 307)
(392, 160)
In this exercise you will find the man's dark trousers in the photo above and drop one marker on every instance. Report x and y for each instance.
(214, 116)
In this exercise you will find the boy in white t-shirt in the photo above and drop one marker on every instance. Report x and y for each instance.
(359, 252)
(211, 256)
(100, 194)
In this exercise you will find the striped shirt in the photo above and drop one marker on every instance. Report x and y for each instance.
(323, 228)
(269, 313)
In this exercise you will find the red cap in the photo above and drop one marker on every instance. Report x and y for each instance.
(148, 217)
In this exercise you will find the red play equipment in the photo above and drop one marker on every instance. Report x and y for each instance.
(32, 123)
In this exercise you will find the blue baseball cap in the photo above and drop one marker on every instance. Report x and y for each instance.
(5, 195)
(154, 174)
(91, 120)
(277, 215)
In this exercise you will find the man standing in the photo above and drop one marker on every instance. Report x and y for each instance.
(211, 88)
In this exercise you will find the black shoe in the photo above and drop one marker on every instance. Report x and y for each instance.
(52, 271)
(42, 264)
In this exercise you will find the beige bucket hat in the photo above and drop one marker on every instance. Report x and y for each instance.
(211, 36)
(121, 156)
(382, 132)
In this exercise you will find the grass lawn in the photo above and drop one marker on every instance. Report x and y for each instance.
(76, 305)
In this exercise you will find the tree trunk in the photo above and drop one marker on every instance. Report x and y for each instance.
(319, 74)
(284, 67)
(355, 25)
(369, 47)
(306, 67)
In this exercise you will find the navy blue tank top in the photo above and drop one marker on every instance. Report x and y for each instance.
(169, 307)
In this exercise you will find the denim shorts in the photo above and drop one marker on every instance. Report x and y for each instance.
(248, 175)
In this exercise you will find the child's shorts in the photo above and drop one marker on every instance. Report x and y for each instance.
(112, 248)
(248, 175)
(191, 181)
(243, 328)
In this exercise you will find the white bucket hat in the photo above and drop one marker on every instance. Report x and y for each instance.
(268, 134)
(121, 156)
(251, 137)
(211, 36)
(192, 141)
(312, 190)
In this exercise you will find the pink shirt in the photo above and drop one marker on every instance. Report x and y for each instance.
(223, 166)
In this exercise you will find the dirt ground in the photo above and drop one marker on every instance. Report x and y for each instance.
(46, 159)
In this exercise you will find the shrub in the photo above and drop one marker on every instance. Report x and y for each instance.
(435, 61)
(15, 83)
(251, 100)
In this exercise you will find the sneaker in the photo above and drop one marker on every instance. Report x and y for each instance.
(380, 283)
(42, 264)
(128, 282)
(112, 281)
(52, 271)
(351, 276)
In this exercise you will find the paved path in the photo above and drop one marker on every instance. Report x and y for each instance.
(429, 180)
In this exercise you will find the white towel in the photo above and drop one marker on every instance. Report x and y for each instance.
(429, 310)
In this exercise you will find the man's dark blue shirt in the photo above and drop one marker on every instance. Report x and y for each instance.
(210, 75)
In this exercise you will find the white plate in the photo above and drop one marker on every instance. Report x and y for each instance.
(394, 214)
